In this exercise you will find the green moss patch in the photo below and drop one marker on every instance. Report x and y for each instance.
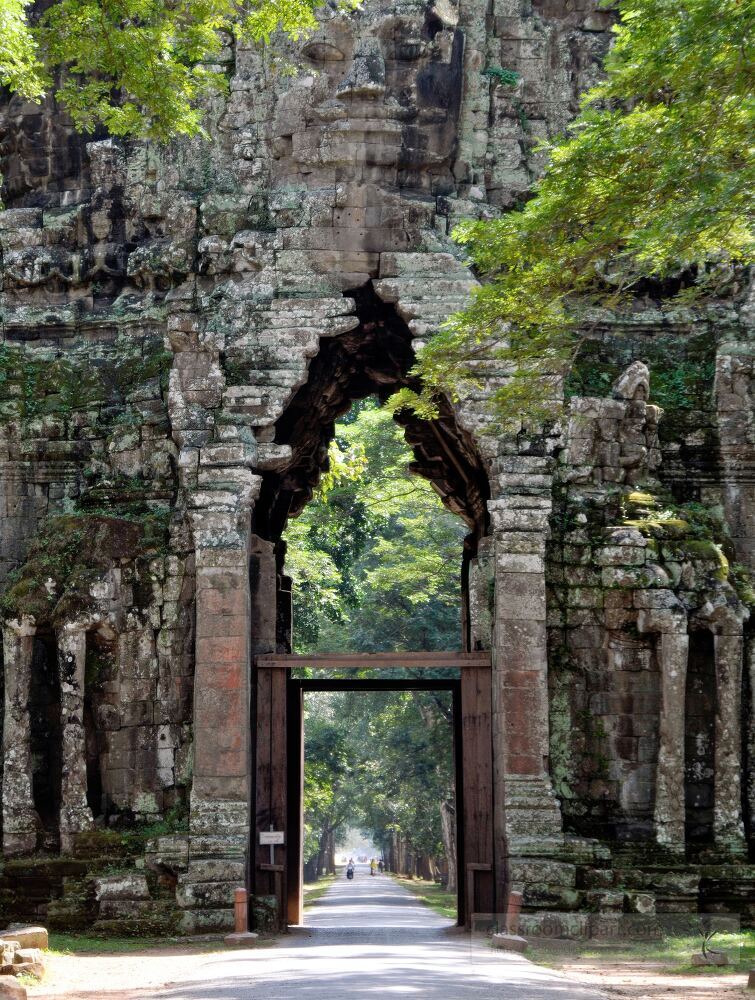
(67, 556)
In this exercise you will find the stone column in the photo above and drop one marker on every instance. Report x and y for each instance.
(735, 414)
(728, 829)
(20, 821)
(75, 814)
(520, 657)
(673, 650)
(218, 488)
(660, 611)
(220, 804)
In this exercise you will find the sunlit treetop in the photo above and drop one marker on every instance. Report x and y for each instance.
(654, 179)
(138, 67)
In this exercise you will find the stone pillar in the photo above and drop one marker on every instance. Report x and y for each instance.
(20, 821)
(735, 413)
(215, 464)
(220, 818)
(479, 596)
(660, 611)
(520, 658)
(728, 829)
(75, 814)
(673, 650)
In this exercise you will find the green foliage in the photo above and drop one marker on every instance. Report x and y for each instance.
(506, 77)
(375, 556)
(653, 180)
(20, 68)
(375, 561)
(138, 67)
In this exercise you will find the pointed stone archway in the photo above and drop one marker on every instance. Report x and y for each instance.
(240, 494)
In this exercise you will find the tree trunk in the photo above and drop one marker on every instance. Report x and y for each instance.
(322, 854)
(448, 833)
(332, 853)
(426, 867)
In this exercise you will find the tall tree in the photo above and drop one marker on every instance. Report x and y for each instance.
(654, 180)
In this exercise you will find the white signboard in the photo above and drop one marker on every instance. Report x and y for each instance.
(272, 837)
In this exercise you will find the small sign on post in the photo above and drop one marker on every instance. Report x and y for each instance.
(272, 837)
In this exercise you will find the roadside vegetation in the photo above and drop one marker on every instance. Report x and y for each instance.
(670, 956)
(432, 894)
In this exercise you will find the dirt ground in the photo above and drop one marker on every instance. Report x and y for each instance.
(646, 980)
(89, 976)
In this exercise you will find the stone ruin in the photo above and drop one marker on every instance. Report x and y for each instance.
(181, 326)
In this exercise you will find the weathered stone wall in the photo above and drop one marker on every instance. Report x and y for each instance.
(181, 327)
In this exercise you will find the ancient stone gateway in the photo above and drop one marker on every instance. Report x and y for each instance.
(182, 326)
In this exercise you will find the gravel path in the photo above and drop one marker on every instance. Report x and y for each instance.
(371, 938)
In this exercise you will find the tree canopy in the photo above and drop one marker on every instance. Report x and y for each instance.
(375, 557)
(653, 180)
(138, 67)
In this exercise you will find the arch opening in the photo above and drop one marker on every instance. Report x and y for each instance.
(373, 360)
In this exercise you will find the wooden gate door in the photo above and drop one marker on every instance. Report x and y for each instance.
(275, 878)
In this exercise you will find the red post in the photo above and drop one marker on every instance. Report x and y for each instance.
(513, 909)
(241, 910)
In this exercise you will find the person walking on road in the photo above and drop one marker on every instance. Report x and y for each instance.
(373, 866)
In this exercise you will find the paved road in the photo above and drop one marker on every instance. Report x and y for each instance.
(371, 939)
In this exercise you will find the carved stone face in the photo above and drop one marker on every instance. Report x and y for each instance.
(376, 102)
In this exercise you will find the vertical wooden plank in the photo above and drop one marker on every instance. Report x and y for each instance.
(477, 763)
(458, 749)
(263, 883)
(279, 781)
(262, 628)
(295, 831)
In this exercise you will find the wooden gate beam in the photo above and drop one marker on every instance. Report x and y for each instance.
(377, 661)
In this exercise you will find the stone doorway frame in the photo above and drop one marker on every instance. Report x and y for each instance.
(278, 770)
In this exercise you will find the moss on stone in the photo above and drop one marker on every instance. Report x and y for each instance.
(744, 583)
(562, 768)
(681, 375)
(41, 384)
(67, 556)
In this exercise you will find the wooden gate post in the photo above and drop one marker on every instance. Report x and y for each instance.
(477, 789)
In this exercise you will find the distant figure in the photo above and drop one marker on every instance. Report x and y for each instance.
(350, 870)
(373, 866)
(381, 866)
